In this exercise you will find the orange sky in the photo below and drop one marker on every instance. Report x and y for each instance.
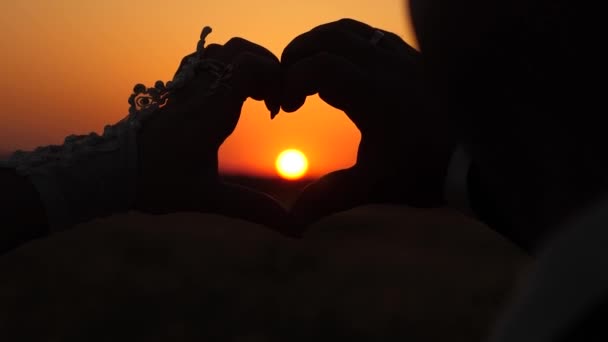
(68, 66)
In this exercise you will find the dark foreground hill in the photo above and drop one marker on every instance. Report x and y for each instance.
(375, 273)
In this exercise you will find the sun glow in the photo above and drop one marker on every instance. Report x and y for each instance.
(291, 164)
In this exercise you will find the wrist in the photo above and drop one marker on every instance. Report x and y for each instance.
(166, 186)
(172, 172)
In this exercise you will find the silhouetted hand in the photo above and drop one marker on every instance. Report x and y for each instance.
(405, 142)
(178, 147)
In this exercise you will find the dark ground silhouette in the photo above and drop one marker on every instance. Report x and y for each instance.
(355, 276)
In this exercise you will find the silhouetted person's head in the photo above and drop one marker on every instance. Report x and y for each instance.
(517, 77)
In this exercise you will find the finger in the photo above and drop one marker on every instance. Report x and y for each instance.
(258, 77)
(256, 71)
(394, 43)
(229, 52)
(290, 102)
(273, 105)
(337, 191)
(351, 39)
(338, 82)
(185, 61)
(236, 46)
(359, 28)
(253, 65)
(211, 49)
(390, 41)
(241, 202)
(226, 53)
(330, 38)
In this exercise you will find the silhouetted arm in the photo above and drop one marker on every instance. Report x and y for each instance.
(160, 158)
(22, 217)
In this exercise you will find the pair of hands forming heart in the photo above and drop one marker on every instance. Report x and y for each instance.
(405, 143)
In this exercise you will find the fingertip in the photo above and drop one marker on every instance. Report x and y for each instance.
(289, 50)
(273, 107)
(293, 105)
(213, 51)
(275, 112)
(257, 77)
(236, 45)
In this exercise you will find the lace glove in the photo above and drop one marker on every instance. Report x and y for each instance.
(96, 175)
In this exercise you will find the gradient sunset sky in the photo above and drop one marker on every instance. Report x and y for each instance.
(68, 66)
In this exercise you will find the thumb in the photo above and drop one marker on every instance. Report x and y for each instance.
(337, 191)
(339, 82)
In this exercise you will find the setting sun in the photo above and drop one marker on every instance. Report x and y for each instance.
(291, 164)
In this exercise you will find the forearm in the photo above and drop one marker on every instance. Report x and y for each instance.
(23, 215)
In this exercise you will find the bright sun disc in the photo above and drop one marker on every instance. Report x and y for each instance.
(291, 164)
